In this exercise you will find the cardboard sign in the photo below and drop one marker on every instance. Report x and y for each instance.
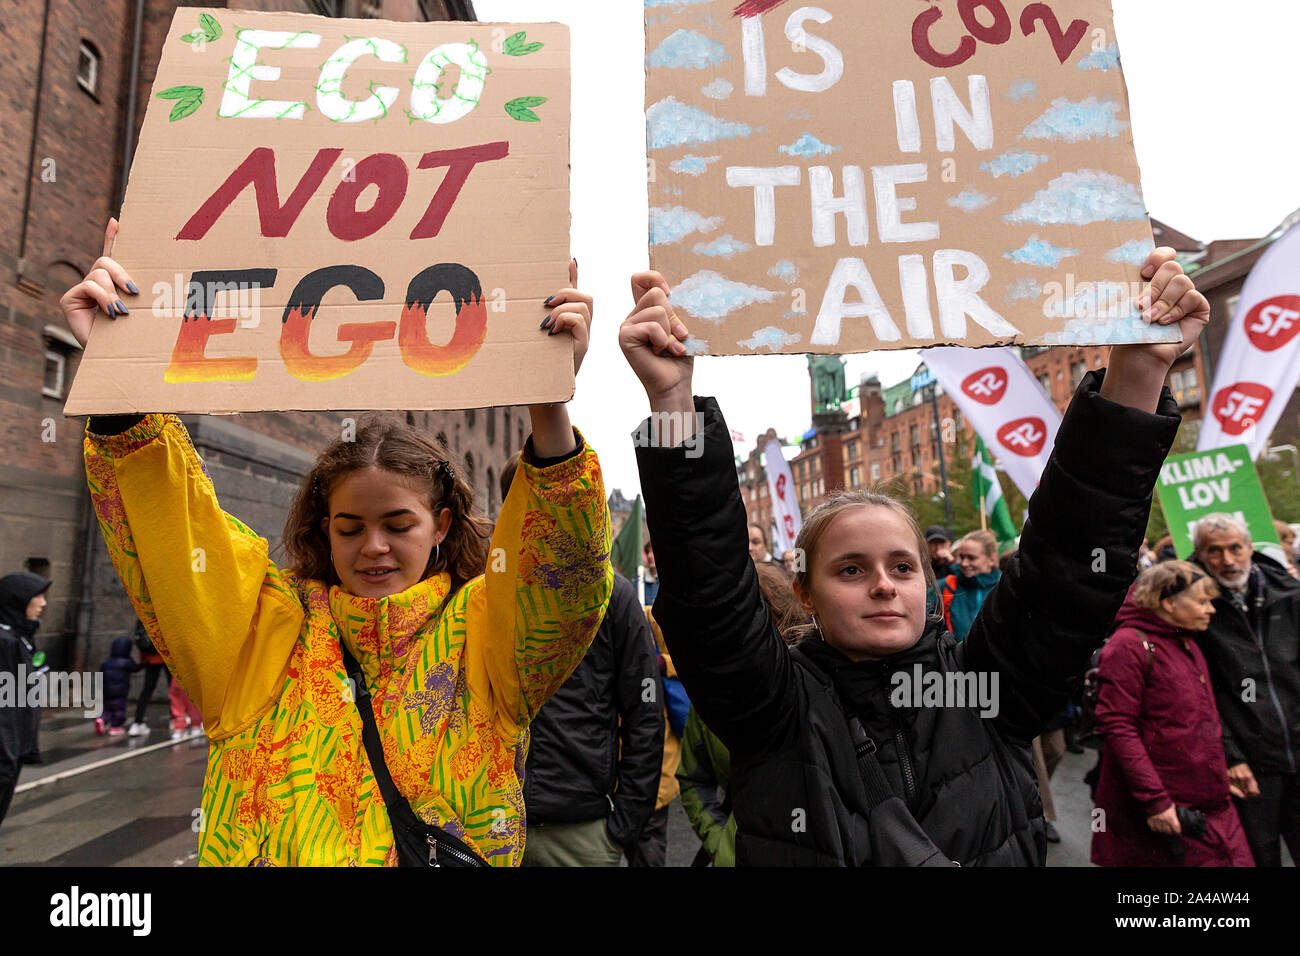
(862, 175)
(1201, 483)
(353, 214)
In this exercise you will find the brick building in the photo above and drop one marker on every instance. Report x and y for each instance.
(72, 95)
(890, 432)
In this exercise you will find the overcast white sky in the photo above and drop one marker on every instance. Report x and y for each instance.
(1214, 96)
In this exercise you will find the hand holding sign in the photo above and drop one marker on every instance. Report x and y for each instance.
(571, 313)
(97, 291)
(651, 339)
(1137, 372)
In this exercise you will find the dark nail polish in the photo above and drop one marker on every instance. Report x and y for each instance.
(121, 308)
(548, 300)
(130, 287)
(110, 309)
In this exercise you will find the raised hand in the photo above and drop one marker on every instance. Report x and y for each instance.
(1136, 373)
(571, 311)
(651, 339)
(97, 291)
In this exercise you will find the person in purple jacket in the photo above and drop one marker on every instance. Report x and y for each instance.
(1163, 791)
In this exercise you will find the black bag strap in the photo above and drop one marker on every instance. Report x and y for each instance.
(400, 814)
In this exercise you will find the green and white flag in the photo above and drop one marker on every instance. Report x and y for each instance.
(985, 487)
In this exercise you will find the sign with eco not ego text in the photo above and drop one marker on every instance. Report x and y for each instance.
(1221, 481)
(334, 213)
(850, 175)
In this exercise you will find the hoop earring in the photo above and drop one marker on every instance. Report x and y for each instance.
(436, 554)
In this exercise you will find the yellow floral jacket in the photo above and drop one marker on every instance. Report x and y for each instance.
(257, 649)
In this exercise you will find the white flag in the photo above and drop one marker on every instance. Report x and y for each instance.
(1260, 362)
(785, 503)
(1003, 403)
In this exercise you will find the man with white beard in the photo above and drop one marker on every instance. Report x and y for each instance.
(1252, 647)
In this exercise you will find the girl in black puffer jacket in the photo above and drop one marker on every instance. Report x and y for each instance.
(878, 740)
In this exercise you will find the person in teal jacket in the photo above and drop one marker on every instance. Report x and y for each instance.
(977, 559)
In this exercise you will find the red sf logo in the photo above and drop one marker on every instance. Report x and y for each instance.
(1024, 436)
(1239, 407)
(780, 487)
(985, 386)
(1274, 322)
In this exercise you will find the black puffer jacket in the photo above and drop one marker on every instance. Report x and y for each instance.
(798, 794)
(20, 724)
(1260, 645)
(597, 745)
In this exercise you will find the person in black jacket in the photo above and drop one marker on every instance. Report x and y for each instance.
(1252, 647)
(832, 765)
(596, 746)
(22, 599)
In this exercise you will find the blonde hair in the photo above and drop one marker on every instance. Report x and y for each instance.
(840, 501)
(1171, 579)
(985, 539)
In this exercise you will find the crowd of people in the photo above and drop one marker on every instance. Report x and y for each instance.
(440, 708)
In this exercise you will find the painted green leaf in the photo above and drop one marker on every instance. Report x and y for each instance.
(191, 37)
(184, 108)
(516, 45)
(181, 93)
(520, 108)
(211, 28)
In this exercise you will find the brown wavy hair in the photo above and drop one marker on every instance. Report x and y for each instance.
(395, 447)
(782, 605)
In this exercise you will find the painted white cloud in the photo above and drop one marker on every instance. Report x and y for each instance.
(1013, 163)
(712, 296)
(670, 123)
(695, 345)
(1134, 252)
(1067, 121)
(1109, 332)
(1107, 59)
(1022, 90)
(688, 50)
(970, 200)
(719, 89)
(1079, 198)
(1039, 252)
(1023, 289)
(808, 145)
(672, 223)
(723, 247)
(771, 338)
(692, 165)
(786, 271)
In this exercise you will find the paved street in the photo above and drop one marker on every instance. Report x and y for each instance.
(91, 804)
(139, 810)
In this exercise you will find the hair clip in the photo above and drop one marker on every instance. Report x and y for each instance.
(444, 468)
(1179, 585)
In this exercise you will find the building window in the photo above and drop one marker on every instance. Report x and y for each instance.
(59, 346)
(875, 471)
(914, 436)
(55, 366)
(1077, 370)
(853, 477)
(491, 492)
(491, 429)
(469, 417)
(1045, 380)
(88, 68)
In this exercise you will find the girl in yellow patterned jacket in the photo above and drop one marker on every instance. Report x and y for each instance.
(460, 640)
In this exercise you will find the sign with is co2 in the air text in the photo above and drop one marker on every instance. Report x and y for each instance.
(843, 175)
(329, 213)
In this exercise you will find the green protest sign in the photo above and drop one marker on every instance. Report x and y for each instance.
(1210, 482)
